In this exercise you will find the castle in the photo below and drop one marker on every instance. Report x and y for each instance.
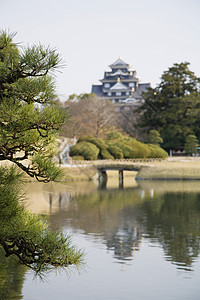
(120, 85)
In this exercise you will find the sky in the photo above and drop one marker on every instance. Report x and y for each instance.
(150, 35)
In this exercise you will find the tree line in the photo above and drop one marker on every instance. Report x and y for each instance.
(173, 108)
(168, 116)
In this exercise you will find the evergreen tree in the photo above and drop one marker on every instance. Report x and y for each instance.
(191, 144)
(29, 122)
(154, 138)
(29, 118)
(173, 107)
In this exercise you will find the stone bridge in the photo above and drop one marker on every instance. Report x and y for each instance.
(120, 165)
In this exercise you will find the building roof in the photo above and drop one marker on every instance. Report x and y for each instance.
(143, 87)
(119, 86)
(119, 63)
(97, 89)
(118, 72)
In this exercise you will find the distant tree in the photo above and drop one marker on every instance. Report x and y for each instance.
(154, 137)
(128, 121)
(173, 107)
(89, 115)
(191, 144)
(29, 122)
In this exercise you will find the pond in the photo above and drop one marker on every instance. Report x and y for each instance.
(140, 242)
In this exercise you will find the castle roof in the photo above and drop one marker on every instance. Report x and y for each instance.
(118, 72)
(119, 63)
(119, 86)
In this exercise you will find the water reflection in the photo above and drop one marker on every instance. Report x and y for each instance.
(125, 222)
(163, 212)
(12, 276)
(124, 241)
(174, 220)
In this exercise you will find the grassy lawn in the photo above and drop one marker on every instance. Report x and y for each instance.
(172, 168)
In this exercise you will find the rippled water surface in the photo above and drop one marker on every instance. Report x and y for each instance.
(141, 242)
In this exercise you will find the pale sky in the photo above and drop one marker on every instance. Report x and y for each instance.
(150, 35)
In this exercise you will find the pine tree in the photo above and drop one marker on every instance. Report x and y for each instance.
(154, 138)
(173, 107)
(191, 144)
(29, 122)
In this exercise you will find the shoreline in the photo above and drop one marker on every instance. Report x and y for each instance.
(173, 168)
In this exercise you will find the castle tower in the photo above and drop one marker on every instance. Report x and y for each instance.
(120, 85)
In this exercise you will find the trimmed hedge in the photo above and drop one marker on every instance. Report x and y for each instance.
(85, 138)
(127, 150)
(115, 147)
(140, 150)
(114, 135)
(116, 152)
(88, 150)
(157, 152)
(101, 144)
(77, 157)
(105, 154)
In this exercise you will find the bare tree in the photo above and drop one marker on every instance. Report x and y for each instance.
(90, 115)
(128, 119)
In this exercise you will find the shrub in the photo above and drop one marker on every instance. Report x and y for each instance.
(100, 143)
(140, 149)
(127, 151)
(153, 151)
(77, 157)
(105, 154)
(88, 150)
(116, 152)
(156, 151)
(92, 148)
(84, 138)
(114, 135)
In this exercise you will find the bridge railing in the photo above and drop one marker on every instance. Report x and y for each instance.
(111, 161)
